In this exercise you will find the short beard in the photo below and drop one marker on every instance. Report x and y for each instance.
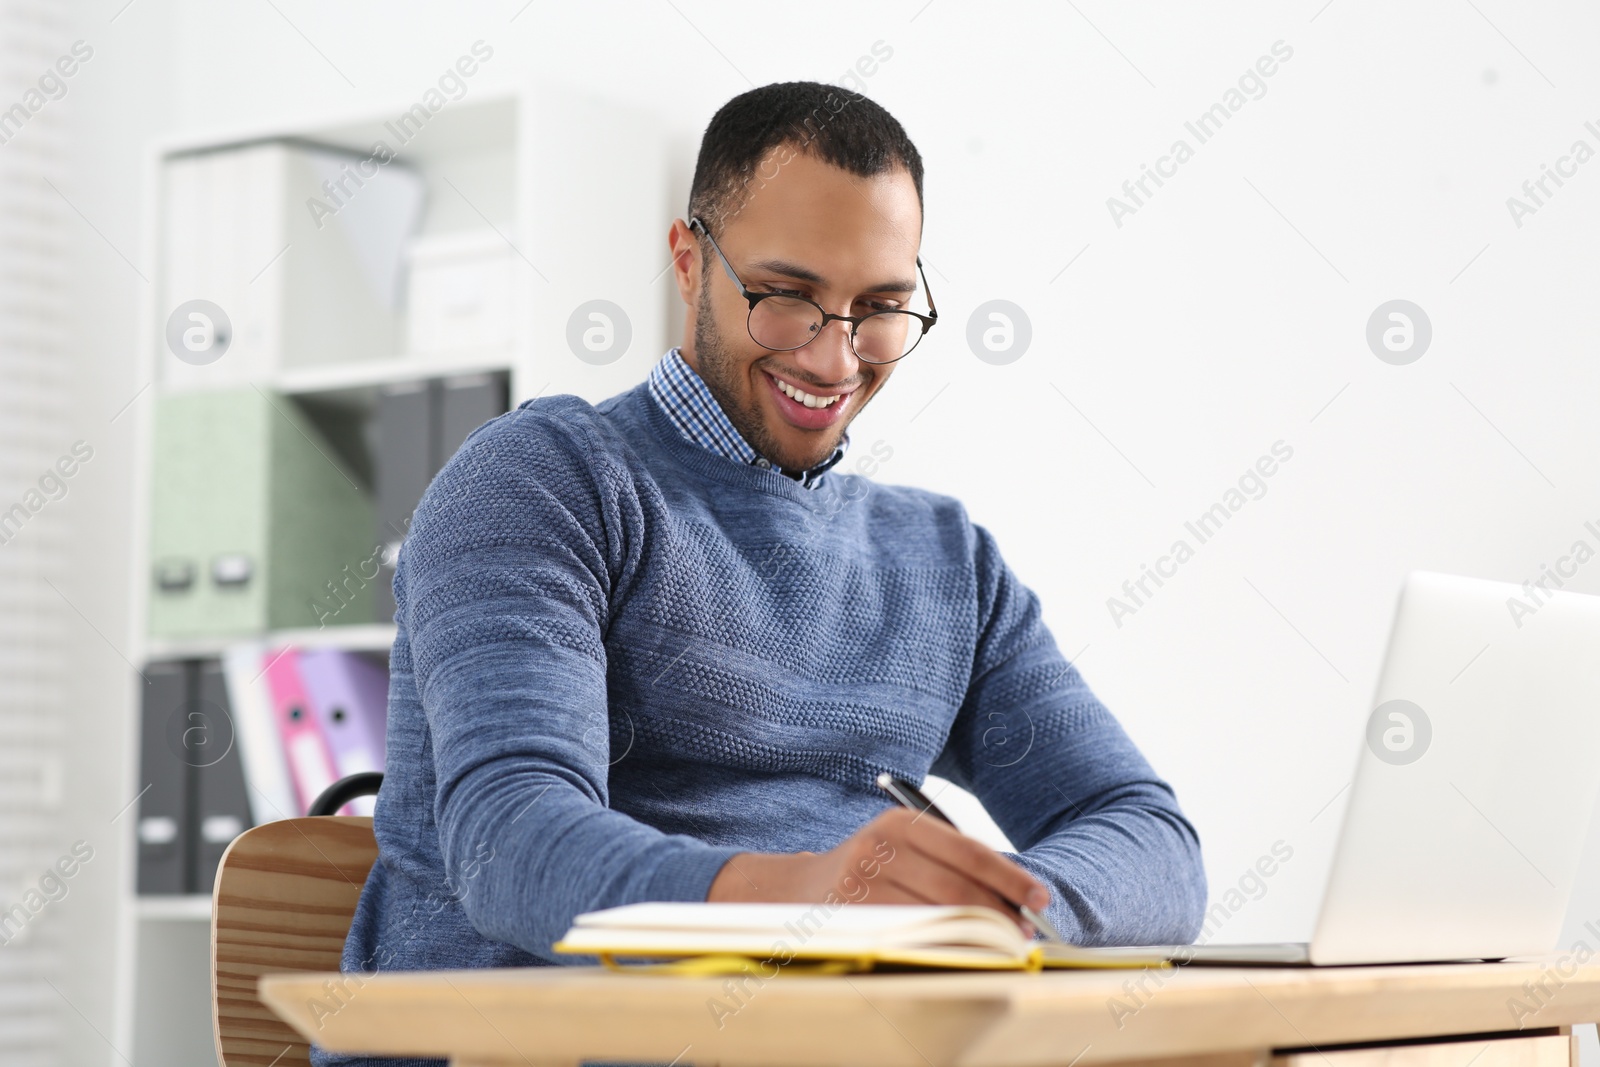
(718, 369)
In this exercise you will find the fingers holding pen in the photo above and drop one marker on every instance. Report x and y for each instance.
(946, 846)
(924, 860)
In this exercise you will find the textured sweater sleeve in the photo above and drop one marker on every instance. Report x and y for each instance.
(504, 589)
(1060, 776)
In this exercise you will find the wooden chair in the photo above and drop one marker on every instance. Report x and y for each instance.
(283, 899)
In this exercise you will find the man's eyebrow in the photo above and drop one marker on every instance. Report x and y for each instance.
(806, 274)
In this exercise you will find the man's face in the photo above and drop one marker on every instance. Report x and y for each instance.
(804, 227)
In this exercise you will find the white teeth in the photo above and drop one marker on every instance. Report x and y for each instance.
(804, 397)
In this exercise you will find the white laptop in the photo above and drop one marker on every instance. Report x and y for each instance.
(1474, 787)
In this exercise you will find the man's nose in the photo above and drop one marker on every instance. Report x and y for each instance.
(829, 356)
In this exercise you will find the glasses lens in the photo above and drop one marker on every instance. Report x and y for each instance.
(783, 323)
(887, 336)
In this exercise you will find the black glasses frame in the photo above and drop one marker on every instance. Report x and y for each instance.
(928, 321)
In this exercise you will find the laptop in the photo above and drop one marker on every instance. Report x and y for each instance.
(1473, 789)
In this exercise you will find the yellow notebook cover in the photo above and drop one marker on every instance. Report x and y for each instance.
(822, 938)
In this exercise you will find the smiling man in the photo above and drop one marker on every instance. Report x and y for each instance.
(659, 648)
(788, 383)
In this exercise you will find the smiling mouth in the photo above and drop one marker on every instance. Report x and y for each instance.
(800, 396)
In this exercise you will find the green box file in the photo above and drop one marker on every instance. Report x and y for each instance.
(256, 524)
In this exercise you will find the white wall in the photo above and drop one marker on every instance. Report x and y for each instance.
(119, 98)
(1227, 314)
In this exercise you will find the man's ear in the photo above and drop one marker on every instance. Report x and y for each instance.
(685, 249)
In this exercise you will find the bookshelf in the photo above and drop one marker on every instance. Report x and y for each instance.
(188, 906)
(361, 637)
(361, 379)
(579, 189)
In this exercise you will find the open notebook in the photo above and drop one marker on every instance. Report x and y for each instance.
(859, 936)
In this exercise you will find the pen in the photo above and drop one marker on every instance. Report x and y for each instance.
(909, 796)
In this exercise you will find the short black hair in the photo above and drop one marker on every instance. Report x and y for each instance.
(836, 125)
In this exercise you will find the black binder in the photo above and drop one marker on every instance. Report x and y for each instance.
(403, 451)
(465, 403)
(164, 781)
(194, 801)
(417, 427)
(222, 811)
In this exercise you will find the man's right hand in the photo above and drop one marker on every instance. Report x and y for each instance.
(900, 857)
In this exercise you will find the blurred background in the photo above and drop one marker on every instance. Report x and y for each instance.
(268, 261)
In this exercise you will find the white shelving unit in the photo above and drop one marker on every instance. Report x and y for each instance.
(581, 190)
(195, 906)
(363, 637)
(341, 379)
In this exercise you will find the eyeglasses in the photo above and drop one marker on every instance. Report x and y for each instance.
(783, 321)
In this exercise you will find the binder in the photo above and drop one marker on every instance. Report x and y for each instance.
(228, 215)
(305, 750)
(163, 861)
(222, 809)
(266, 771)
(349, 697)
(416, 428)
(255, 523)
(465, 403)
(403, 465)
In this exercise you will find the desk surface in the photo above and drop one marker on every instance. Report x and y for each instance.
(561, 1015)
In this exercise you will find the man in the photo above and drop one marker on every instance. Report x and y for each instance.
(660, 648)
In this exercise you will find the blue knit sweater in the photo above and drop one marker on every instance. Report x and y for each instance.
(621, 659)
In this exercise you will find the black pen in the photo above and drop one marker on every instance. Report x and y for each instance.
(909, 796)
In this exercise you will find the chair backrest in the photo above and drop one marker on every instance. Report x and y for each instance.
(283, 900)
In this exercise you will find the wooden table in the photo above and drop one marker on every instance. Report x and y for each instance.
(1455, 1015)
